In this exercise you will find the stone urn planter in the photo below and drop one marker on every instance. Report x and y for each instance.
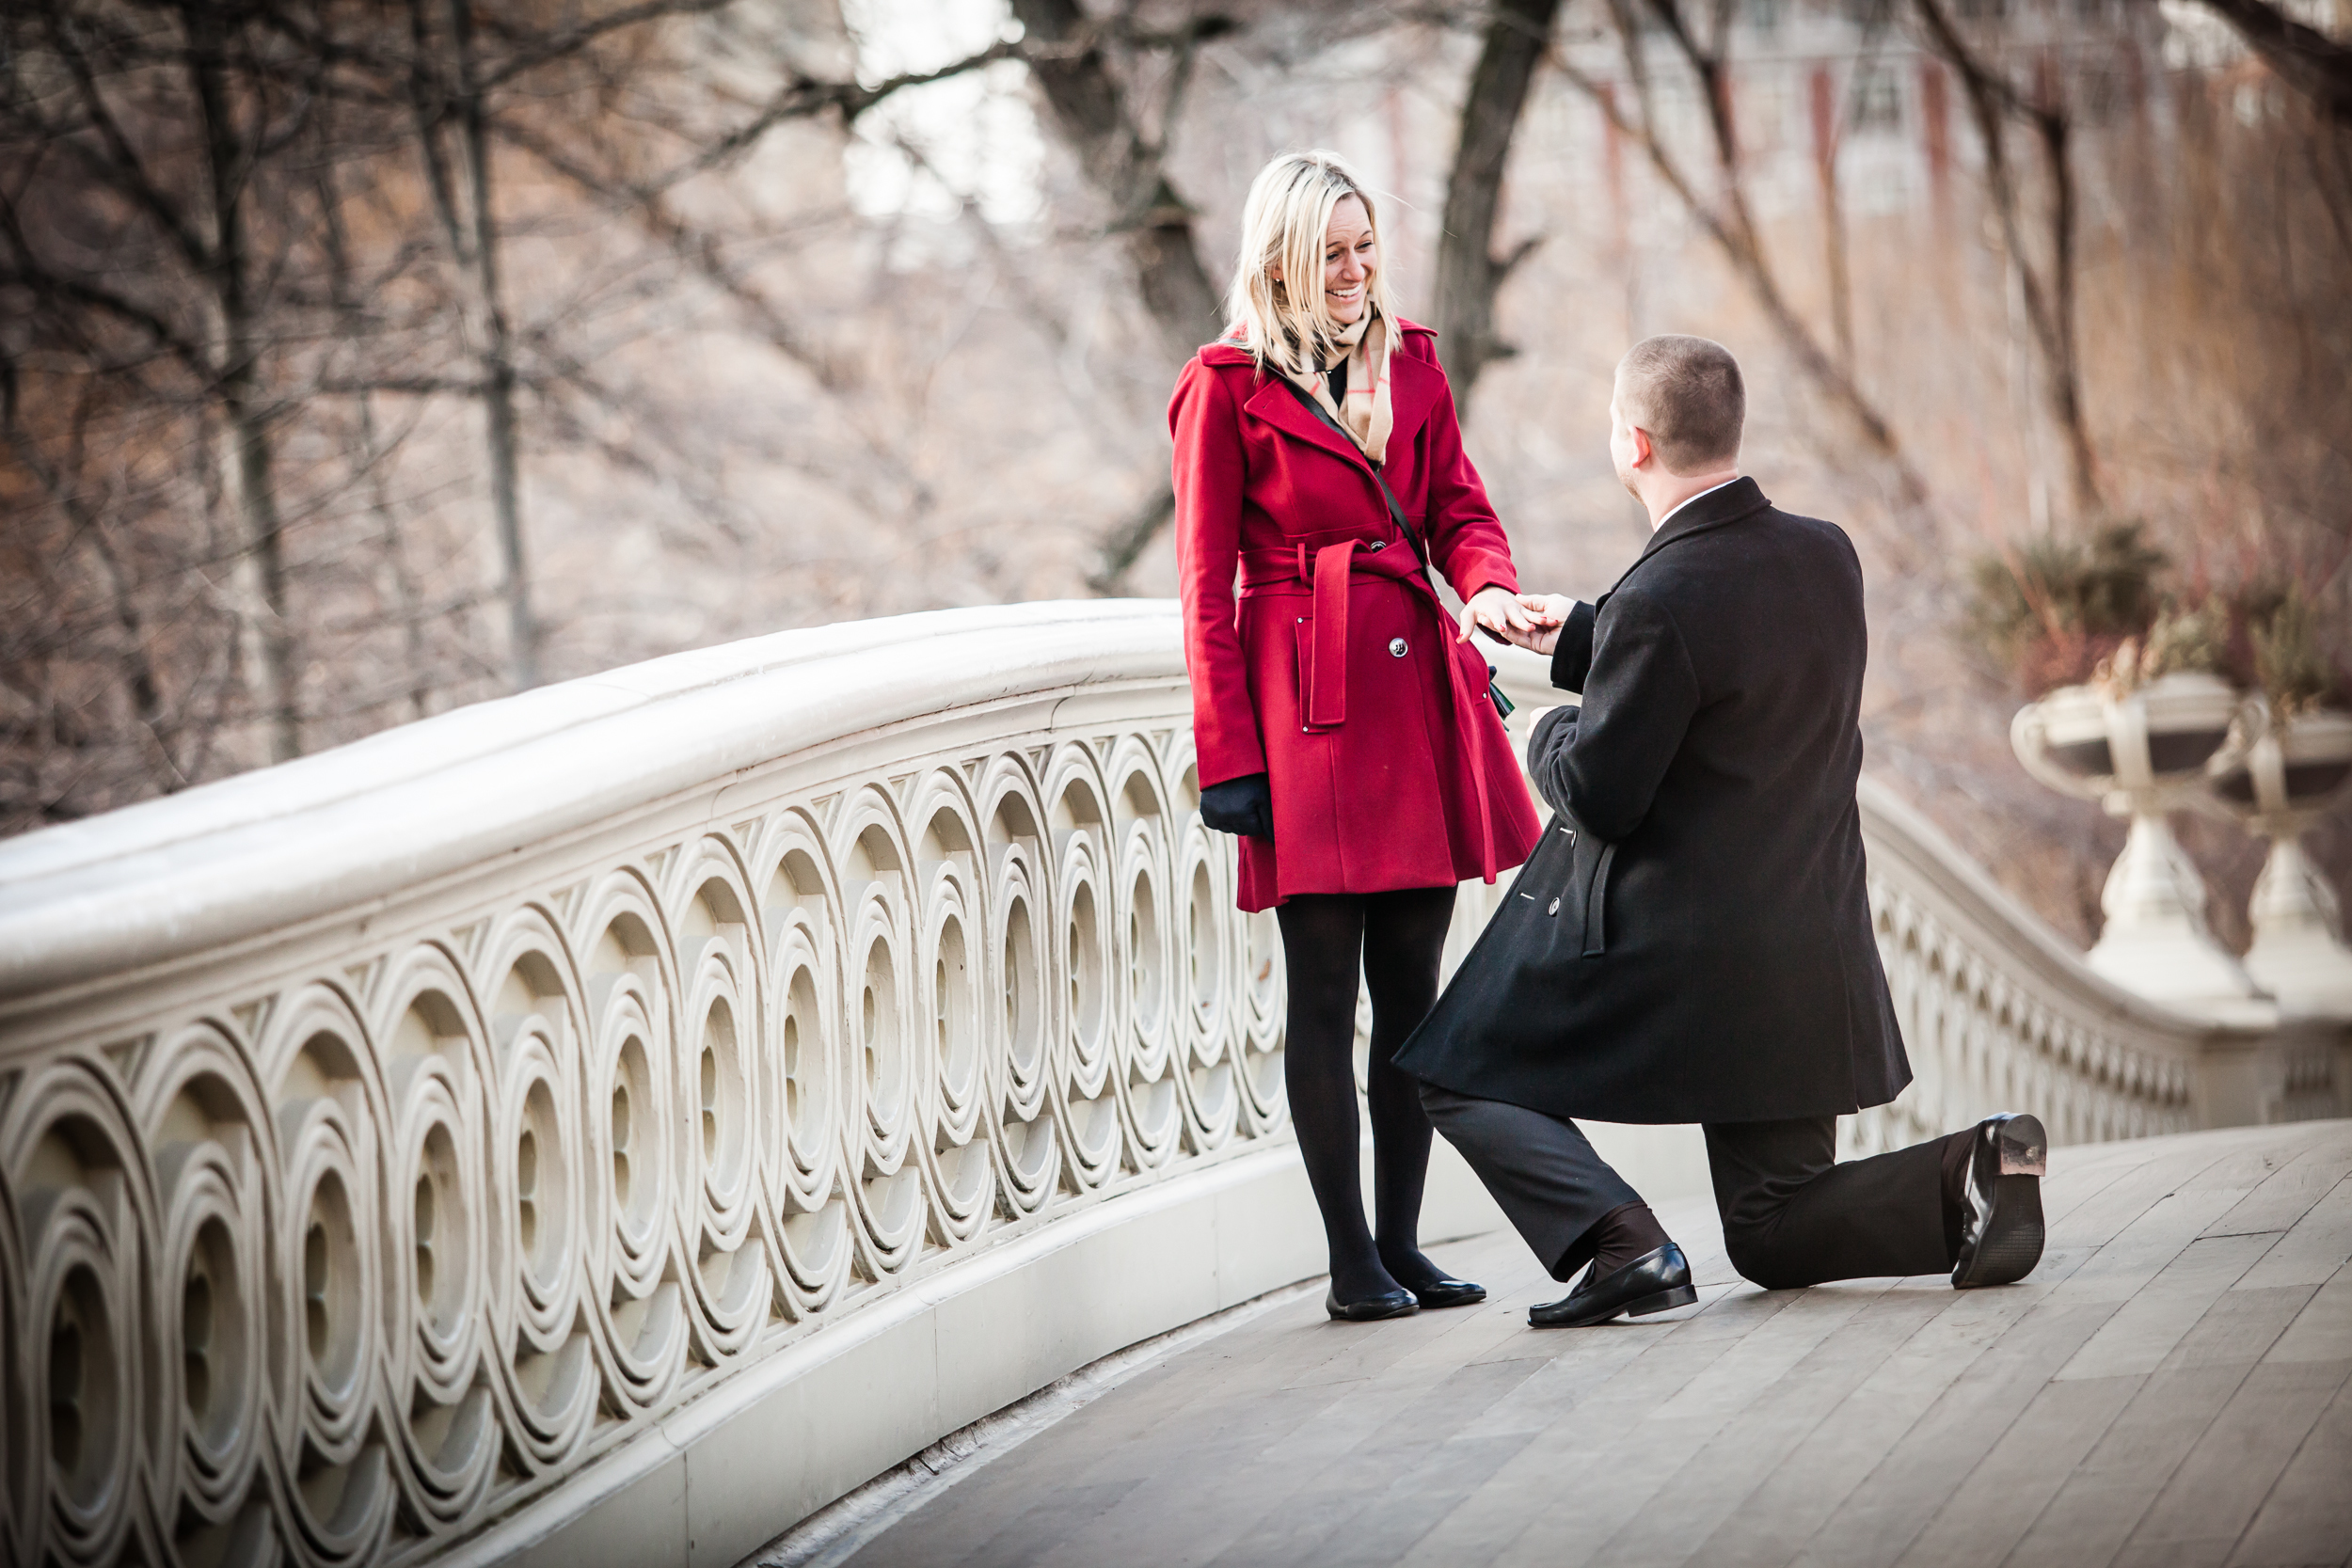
(2144, 754)
(2298, 767)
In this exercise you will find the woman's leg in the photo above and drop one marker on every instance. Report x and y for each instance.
(1404, 939)
(1323, 940)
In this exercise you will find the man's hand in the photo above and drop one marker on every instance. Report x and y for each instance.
(1499, 611)
(1546, 614)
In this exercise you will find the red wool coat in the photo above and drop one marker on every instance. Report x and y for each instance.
(1332, 666)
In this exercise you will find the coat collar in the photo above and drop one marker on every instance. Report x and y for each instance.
(1741, 497)
(1415, 387)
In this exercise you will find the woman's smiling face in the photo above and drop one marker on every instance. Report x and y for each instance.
(1350, 254)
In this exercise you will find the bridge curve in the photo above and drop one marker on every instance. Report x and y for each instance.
(615, 1120)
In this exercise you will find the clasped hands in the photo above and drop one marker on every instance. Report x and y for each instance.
(1532, 621)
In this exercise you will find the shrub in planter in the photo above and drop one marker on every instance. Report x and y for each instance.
(2049, 612)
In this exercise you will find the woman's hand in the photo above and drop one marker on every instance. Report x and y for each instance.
(1546, 613)
(1240, 806)
(1501, 611)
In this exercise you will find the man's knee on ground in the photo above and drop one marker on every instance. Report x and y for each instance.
(1754, 1253)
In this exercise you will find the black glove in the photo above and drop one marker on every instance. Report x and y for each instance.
(1243, 805)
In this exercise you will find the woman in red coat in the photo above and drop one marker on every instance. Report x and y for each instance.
(1340, 717)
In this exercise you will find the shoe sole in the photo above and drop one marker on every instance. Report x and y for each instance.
(1640, 1307)
(1439, 1305)
(2015, 1231)
(2013, 1236)
(1344, 1316)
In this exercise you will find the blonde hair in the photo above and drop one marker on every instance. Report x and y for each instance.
(1282, 224)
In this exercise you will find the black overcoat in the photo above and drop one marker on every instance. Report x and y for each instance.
(1691, 940)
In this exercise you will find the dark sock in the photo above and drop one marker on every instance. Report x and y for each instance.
(1959, 1150)
(1625, 1234)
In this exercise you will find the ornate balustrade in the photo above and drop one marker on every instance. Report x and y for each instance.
(606, 1124)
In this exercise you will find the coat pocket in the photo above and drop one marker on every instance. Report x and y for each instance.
(1582, 903)
(1595, 903)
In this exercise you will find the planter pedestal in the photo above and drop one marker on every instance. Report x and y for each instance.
(2286, 780)
(2143, 756)
(2156, 941)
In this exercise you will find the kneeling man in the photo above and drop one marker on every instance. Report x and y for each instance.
(1691, 940)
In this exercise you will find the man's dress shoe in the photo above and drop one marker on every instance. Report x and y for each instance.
(2000, 1238)
(1387, 1303)
(1446, 1291)
(1657, 1281)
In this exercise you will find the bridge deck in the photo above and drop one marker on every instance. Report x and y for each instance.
(2169, 1387)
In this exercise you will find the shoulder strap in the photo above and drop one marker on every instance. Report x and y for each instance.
(1504, 705)
(1396, 508)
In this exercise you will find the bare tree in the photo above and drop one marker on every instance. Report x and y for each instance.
(2047, 287)
(2304, 58)
(1093, 109)
(173, 118)
(1726, 220)
(1469, 274)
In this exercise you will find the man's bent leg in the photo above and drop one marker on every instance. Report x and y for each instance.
(1794, 1216)
(1549, 1180)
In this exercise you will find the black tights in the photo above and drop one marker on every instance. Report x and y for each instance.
(1394, 941)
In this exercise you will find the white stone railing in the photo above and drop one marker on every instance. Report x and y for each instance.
(608, 1123)
(388, 1135)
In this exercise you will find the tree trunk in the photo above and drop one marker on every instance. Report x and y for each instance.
(399, 584)
(1826, 138)
(497, 364)
(248, 462)
(2304, 58)
(1090, 105)
(2048, 299)
(1469, 274)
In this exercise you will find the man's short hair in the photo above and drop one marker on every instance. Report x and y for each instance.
(1688, 394)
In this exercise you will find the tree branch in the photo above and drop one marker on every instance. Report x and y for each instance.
(2304, 58)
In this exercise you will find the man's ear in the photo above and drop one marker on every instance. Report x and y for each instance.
(1642, 449)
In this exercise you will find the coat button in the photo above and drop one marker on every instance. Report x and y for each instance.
(1396, 647)
(1555, 908)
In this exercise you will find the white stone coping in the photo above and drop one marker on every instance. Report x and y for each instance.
(269, 848)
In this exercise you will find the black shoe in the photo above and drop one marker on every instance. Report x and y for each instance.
(2000, 1236)
(1387, 1303)
(1446, 1291)
(1657, 1281)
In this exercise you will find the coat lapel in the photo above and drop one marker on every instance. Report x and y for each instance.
(1414, 388)
(1275, 404)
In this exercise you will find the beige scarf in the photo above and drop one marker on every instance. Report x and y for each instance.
(1369, 412)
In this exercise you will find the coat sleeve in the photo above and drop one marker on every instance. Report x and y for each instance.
(1602, 765)
(1572, 655)
(1209, 472)
(1466, 539)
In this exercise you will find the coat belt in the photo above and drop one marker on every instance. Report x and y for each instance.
(1326, 575)
(1288, 571)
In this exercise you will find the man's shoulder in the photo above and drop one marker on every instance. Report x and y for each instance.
(1768, 552)
(1818, 532)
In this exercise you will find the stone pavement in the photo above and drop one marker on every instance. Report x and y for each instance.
(2169, 1387)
